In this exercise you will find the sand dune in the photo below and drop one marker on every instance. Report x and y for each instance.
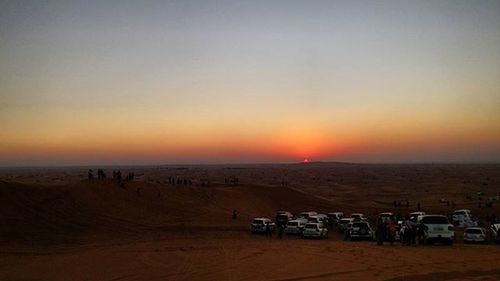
(59, 226)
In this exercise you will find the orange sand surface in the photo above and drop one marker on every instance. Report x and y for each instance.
(57, 225)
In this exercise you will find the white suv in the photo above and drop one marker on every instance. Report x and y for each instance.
(475, 234)
(315, 219)
(437, 228)
(460, 216)
(315, 230)
(260, 225)
(306, 215)
(295, 226)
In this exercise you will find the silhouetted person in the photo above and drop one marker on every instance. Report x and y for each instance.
(100, 174)
(391, 230)
(119, 176)
(380, 232)
(420, 233)
(411, 230)
(235, 214)
(268, 229)
(90, 174)
(280, 231)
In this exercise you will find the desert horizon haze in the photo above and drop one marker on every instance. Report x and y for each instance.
(128, 82)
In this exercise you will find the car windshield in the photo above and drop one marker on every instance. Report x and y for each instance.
(311, 226)
(473, 231)
(460, 213)
(283, 216)
(344, 221)
(292, 223)
(358, 224)
(435, 220)
(258, 222)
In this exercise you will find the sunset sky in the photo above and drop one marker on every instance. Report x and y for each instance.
(159, 82)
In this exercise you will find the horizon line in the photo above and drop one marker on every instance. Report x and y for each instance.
(257, 163)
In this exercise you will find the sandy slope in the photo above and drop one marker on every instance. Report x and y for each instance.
(59, 226)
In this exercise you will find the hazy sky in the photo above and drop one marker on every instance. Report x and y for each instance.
(147, 82)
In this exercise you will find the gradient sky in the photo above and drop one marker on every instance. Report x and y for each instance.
(150, 82)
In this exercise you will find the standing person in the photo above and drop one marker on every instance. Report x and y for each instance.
(380, 232)
(280, 231)
(119, 176)
(391, 228)
(420, 233)
(235, 214)
(268, 229)
(412, 233)
(408, 229)
(90, 174)
(497, 239)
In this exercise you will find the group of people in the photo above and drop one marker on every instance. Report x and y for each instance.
(100, 174)
(179, 181)
(117, 175)
(231, 180)
(387, 229)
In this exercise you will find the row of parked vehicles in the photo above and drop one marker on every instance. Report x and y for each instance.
(435, 228)
(306, 224)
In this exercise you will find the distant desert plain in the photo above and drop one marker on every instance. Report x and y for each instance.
(174, 222)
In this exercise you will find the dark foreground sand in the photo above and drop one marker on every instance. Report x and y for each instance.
(58, 226)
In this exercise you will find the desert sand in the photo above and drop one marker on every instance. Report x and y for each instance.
(58, 225)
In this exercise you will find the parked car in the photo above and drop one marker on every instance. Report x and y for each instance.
(282, 217)
(323, 218)
(460, 216)
(342, 226)
(475, 235)
(495, 229)
(259, 225)
(315, 219)
(385, 216)
(417, 216)
(358, 217)
(315, 230)
(360, 230)
(295, 226)
(335, 217)
(437, 228)
(306, 215)
(320, 218)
